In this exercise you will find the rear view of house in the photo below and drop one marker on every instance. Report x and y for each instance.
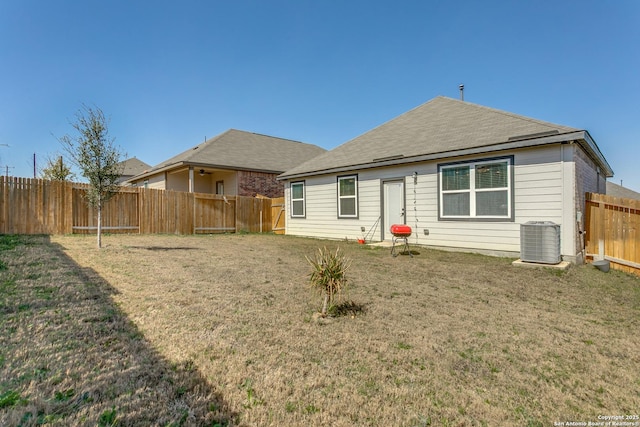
(463, 176)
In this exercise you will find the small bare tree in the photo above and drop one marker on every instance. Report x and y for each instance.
(93, 151)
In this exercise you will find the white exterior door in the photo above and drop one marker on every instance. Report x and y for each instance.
(393, 206)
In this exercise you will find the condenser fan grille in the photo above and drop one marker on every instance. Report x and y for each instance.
(540, 242)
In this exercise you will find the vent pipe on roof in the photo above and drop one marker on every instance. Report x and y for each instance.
(461, 92)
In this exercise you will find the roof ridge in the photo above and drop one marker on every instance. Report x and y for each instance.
(269, 136)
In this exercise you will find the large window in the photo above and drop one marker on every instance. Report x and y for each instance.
(297, 200)
(348, 196)
(476, 190)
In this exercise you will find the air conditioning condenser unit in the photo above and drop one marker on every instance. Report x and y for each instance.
(540, 242)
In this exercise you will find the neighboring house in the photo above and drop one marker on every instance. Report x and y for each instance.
(461, 175)
(232, 163)
(132, 167)
(616, 190)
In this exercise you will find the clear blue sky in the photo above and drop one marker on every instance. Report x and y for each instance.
(170, 73)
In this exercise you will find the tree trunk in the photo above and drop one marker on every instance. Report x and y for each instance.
(99, 224)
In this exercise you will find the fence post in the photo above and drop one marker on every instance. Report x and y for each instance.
(601, 229)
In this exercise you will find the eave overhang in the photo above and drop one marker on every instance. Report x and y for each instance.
(180, 165)
(581, 137)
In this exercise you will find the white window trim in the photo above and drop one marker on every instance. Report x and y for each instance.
(303, 199)
(472, 190)
(355, 197)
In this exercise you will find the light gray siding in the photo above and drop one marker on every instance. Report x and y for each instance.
(543, 189)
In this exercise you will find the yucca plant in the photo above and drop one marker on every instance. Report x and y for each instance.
(329, 275)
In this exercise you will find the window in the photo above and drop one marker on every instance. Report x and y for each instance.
(297, 200)
(219, 187)
(348, 196)
(477, 190)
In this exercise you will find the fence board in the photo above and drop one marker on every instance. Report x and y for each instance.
(214, 213)
(119, 214)
(252, 214)
(278, 215)
(33, 206)
(612, 231)
(25, 206)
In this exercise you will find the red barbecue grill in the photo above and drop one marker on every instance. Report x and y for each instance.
(401, 233)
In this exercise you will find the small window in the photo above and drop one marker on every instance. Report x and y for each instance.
(477, 190)
(220, 187)
(146, 183)
(297, 200)
(348, 196)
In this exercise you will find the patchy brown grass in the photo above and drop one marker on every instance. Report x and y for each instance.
(70, 356)
(221, 329)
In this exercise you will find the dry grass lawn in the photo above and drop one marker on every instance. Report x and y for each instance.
(221, 330)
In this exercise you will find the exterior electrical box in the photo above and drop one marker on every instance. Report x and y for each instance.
(540, 242)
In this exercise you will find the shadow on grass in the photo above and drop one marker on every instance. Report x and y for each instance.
(410, 252)
(70, 356)
(347, 308)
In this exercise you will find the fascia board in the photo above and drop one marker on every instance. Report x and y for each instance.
(591, 147)
(154, 172)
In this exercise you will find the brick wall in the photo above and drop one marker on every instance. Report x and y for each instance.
(252, 183)
(588, 180)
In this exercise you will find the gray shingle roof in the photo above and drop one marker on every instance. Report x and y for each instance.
(616, 190)
(236, 149)
(441, 125)
(133, 166)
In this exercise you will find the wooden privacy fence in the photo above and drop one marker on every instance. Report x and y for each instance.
(613, 231)
(35, 206)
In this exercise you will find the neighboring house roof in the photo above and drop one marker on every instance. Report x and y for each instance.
(240, 150)
(443, 127)
(616, 190)
(133, 166)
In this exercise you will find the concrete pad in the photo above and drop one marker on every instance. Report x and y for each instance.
(563, 265)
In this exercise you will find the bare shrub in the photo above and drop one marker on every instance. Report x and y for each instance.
(329, 275)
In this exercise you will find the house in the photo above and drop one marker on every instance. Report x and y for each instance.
(616, 190)
(132, 167)
(232, 163)
(463, 176)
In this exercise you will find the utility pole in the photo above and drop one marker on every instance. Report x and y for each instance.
(7, 167)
